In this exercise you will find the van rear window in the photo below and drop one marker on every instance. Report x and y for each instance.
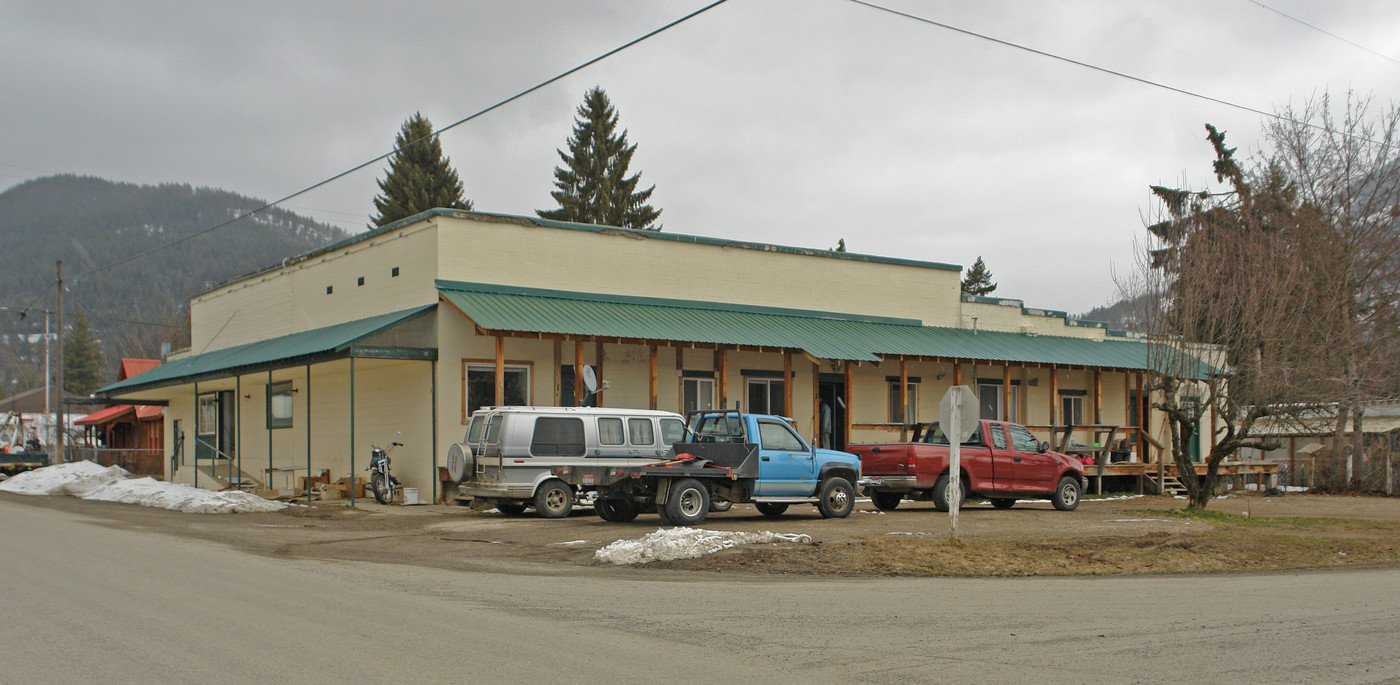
(558, 437)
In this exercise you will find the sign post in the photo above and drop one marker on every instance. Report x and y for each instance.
(958, 418)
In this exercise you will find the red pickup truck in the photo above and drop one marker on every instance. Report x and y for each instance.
(1001, 461)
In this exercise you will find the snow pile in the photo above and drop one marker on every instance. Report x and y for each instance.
(76, 479)
(111, 484)
(149, 492)
(686, 543)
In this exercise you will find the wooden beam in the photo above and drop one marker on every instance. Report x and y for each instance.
(1144, 420)
(598, 368)
(817, 403)
(651, 376)
(850, 381)
(787, 384)
(1098, 397)
(558, 372)
(1006, 412)
(903, 400)
(957, 374)
(578, 373)
(500, 370)
(1054, 397)
(722, 378)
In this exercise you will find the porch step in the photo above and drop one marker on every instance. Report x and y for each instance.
(1168, 485)
(219, 473)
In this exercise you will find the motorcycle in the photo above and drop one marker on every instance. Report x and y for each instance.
(381, 483)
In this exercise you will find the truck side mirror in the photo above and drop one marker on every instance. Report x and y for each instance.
(1044, 447)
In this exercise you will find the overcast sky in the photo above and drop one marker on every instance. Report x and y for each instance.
(797, 122)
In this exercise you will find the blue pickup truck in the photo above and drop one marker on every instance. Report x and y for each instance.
(727, 456)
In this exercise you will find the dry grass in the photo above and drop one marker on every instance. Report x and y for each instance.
(1228, 543)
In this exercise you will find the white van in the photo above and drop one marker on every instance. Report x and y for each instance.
(509, 453)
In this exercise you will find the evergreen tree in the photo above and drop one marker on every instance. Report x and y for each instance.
(82, 359)
(593, 185)
(978, 280)
(419, 177)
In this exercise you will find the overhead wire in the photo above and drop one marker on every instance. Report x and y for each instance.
(347, 172)
(1105, 70)
(1322, 30)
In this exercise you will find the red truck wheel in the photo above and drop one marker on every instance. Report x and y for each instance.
(940, 493)
(886, 501)
(1066, 496)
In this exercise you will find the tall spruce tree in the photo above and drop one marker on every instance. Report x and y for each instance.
(419, 177)
(978, 280)
(593, 185)
(82, 359)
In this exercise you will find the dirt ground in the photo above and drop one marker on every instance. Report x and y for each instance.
(455, 537)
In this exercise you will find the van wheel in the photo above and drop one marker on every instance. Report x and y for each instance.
(615, 510)
(940, 493)
(1066, 496)
(1003, 502)
(510, 508)
(771, 509)
(687, 503)
(886, 501)
(837, 498)
(554, 499)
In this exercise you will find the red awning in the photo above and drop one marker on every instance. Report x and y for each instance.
(106, 415)
(149, 412)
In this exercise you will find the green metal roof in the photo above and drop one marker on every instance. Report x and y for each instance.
(823, 335)
(330, 340)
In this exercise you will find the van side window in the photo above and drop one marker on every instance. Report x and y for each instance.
(778, 436)
(640, 432)
(493, 430)
(610, 432)
(558, 437)
(672, 431)
(474, 430)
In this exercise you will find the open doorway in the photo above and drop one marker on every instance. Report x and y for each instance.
(831, 423)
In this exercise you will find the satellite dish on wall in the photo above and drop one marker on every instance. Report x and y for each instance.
(590, 379)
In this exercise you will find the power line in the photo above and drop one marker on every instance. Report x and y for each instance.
(1104, 70)
(386, 155)
(1322, 30)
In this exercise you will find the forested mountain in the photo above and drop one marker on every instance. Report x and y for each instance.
(133, 307)
(1124, 314)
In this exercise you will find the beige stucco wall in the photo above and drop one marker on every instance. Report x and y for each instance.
(623, 263)
(294, 299)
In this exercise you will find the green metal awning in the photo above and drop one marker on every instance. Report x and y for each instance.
(316, 345)
(822, 335)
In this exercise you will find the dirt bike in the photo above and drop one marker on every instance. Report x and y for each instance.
(380, 482)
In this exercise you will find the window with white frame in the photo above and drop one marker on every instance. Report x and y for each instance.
(279, 405)
(989, 398)
(910, 414)
(1072, 407)
(766, 396)
(481, 386)
(697, 394)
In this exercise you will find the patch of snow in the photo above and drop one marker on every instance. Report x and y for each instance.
(74, 478)
(900, 532)
(570, 543)
(1285, 488)
(686, 543)
(868, 511)
(149, 492)
(1110, 499)
(1136, 520)
(112, 484)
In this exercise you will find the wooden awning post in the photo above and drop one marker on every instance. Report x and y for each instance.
(1054, 397)
(1006, 413)
(787, 384)
(817, 403)
(578, 373)
(722, 377)
(651, 376)
(957, 373)
(1098, 397)
(598, 369)
(558, 372)
(850, 381)
(903, 399)
(500, 370)
(1144, 420)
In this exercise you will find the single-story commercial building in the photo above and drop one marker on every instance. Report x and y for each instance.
(406, 329)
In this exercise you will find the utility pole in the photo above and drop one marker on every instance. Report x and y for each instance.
(60, 425)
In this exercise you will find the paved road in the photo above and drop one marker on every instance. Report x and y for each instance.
(84, 601)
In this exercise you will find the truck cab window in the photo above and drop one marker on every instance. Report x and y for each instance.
(1023, 440)
(998, 436)
(778, 436)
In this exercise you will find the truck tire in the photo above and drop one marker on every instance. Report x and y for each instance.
(665, 517)
(1066, 496)
(940, 493)
(718, 506)
(554, 499)
(836, 498)
(771, 509)
(687, 503)
(886, 501)
(616, 510)
(1003, 502)
(510, 508)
